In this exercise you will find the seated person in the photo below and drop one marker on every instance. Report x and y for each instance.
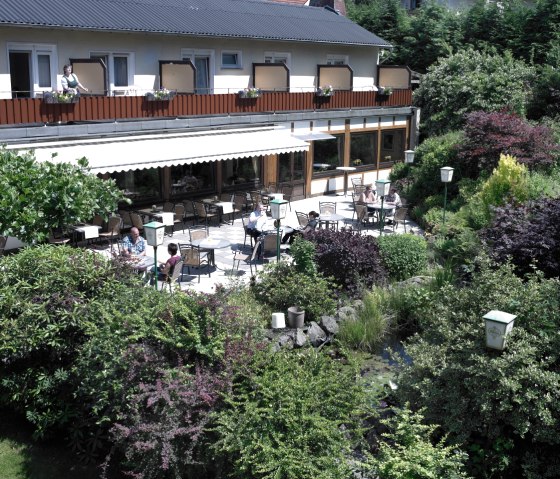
(393, 197)
(133, 244)
(311, 225)
(257, 220)
(368, 196)
(165, 269)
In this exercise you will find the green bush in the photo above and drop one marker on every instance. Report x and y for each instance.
(367, 330)
(281, 286)
(403, 255)
(500, 406)
(303, 252)
(293, 417)
(67, 316)
(407, 451)
(544, 184)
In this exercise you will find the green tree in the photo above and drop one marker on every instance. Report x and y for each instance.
(471, 81)
(36, 197)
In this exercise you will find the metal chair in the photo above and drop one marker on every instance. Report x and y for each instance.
(288, 191)
(239, 255)
(168, 207)
(190, 211)
(113, 231)
(137, 222)
(192, 258)
(327, 207)
(303, 219)
(179, 216)
(226, 197)
(362, 217)
(203, 213)
(174, 276)
(57, 236)
(357, 181)
(400, 217)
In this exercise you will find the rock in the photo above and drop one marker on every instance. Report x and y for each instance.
(301, 339)
(286, 341)
(346, 312)
(329, 324)
(316, 334)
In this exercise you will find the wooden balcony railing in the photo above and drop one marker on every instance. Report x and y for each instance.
(100, 108)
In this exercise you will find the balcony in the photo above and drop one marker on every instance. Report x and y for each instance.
(27, 111)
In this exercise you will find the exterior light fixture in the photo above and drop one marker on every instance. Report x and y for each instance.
(382, 187)
(155, 231)
(409, 156)
(278, 208)
(446, 175)
(498, 327)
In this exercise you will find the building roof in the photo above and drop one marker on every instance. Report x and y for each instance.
(255, 19)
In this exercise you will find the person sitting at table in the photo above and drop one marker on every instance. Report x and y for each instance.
(368, 196)
(312, 223)
(133, 244)
(393, 197)
(257, 220)
(166, 268)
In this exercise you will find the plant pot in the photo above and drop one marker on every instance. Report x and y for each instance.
(296, 317)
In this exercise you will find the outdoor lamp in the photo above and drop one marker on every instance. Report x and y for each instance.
(155, 231)
(278, 209)
(382, 187)
(498, 326)
(446, 174)
(409, 156)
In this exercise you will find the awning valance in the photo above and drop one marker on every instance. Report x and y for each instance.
(125, 153)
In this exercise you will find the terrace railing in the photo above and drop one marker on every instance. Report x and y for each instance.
(22, 111)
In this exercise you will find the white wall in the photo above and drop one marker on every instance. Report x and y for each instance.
(146, 50)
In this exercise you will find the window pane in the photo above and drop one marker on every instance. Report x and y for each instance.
(202, 74)
(392, 146)
(242, 171)
(363, 147)
(328, 154)
(44, 66)
(290, 166)
(121, 71)
(229, 59)
(139, 185)
(190, 180)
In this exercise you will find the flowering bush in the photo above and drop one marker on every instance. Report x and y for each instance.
(384, 90)
(325, 90)
(251, 92)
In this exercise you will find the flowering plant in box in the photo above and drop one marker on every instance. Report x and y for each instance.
(325, 90)
(385, 90)
(162, 94)
(250, 92)
(60, 97)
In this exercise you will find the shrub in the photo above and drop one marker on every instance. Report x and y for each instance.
(529, 234)
(281, 286)
(541, 185)
(403, 255)
(303, 253)
(353, 261)
(368, 329)
(293, 417)
(469, 81)
(489, 135)
(407, 450)
(501, 407)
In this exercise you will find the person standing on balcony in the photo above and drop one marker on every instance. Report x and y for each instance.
(70, 82)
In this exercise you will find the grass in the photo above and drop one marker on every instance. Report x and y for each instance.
(22, 458)
(367, 331)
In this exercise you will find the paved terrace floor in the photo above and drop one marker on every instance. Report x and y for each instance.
(235, 234)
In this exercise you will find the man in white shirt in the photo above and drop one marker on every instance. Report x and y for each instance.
(257, 220)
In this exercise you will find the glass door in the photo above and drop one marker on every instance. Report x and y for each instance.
(291, 172)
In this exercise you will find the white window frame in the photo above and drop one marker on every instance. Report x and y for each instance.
(277, 57)
(337, 59)
(191, 53)
(36, 49)
(239, 58)
(115, 90)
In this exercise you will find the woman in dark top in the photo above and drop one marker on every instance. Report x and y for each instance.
(313, 221)
(165, 269)
(70, 82)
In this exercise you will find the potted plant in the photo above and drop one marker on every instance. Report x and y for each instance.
(296, 317)
(162, 94)
(384, 90)
(357, 162)
(250, 92)
(60, 97)
(325, 91)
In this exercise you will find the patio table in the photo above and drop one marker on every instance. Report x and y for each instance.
(328, 218)
(381, 211)
(211, 244)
